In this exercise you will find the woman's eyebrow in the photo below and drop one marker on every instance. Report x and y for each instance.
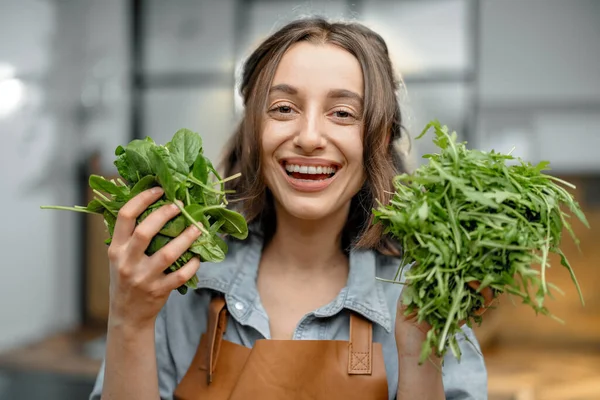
(344, 94)
(283, 88)
(332, 94)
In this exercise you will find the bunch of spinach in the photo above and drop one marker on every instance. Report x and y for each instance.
(187, 176)
(468, 216)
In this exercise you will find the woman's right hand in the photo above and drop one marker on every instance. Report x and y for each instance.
(139, 288)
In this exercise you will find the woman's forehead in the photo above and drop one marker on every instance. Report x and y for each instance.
(323, 67)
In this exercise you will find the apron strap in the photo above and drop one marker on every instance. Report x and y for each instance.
(217, 322)
(360, 346)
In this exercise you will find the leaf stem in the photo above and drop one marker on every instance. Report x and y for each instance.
(229, 178)
(453, 310)
(107, 208)
(78, 209)
(192, 220)
(209, 188)
(103, 197)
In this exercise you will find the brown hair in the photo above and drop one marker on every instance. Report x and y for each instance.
(382, 126)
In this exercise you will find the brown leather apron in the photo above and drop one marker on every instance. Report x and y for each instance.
(285, 369)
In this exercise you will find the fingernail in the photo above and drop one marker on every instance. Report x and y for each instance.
(174, 207)
(156, 190)
(194, 229)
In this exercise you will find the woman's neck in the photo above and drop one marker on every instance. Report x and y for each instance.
(306, 244)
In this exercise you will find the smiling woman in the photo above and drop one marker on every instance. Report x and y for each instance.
(295, 310)
(315, 90)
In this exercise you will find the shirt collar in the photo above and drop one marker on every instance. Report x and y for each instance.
(235, 277)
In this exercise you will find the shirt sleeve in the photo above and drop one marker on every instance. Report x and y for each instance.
(167, 380)
(465, 379)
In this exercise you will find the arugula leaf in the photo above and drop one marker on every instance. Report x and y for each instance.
(468, 216)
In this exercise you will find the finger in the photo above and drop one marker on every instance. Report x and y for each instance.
(167, 255)
(488, 299)
(128, 214)
(486, 292)
(488, 296)
(177, 278)
(151, 225)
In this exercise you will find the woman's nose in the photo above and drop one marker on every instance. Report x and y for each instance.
(310, 135)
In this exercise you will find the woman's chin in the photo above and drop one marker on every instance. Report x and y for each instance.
(312, 209)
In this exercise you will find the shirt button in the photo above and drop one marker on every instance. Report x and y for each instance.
(239, 306)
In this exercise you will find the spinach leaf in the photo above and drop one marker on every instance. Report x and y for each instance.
(234, 224)
(185, 145)
(200, 168)
(147, 182)
(208, 250)
(159, 158)
(183, 172)
(100, 183)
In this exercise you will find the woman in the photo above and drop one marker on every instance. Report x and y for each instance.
(316, 152)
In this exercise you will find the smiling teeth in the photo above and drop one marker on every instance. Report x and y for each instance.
(310, 169)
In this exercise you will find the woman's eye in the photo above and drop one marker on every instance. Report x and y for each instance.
(284, 109)
(343, 114)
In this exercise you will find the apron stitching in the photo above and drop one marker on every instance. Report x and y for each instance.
(360, 361)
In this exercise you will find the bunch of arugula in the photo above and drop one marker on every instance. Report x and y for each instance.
(187, 176)
(467, 216)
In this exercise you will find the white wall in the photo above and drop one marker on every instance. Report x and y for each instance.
(540, 51)
(52, 46)
(539, 85)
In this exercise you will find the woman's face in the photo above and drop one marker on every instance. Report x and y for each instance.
(312, 131)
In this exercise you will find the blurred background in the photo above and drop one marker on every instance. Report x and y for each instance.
(79, 77)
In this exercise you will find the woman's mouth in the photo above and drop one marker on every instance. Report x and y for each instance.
(309, 178)
(310, 172)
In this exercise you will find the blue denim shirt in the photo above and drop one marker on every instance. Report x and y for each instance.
(184, 318)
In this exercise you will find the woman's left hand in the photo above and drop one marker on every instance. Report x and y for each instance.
(410, 333)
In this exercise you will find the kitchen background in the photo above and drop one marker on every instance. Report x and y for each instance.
(79, 77)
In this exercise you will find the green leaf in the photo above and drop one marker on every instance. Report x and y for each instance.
(174, 227)
(200, 169)
(423, 211)
(138, 155)
(542, 165)
(196, 211)
(208, 251)
(133, 161)
(147, 182)
(222, 244)
(109, 221)
(159, 157)
(234, 223)
(95, 206)
(158, 242)
(186, 145)
(479, 197)
(500, 196)
(467, 216)
(100, 183)
(181, 169)
(126, 169)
